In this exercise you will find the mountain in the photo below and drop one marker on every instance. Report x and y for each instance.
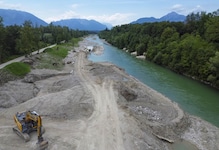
(12, 17)
(81, 24)
(171, 17)
(143, 20)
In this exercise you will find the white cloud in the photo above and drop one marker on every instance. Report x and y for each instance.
(186, 10)
(178, 8)
(114, 19)
(198, 8)
(74, 6)
(9, 6)
(67, 15)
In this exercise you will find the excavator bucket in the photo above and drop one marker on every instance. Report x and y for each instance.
(42, 145)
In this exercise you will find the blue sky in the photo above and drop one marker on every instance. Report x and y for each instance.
(116, 12)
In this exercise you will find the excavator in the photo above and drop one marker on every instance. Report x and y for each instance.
(27, 122)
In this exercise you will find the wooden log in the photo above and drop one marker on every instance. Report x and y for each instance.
(163, 138)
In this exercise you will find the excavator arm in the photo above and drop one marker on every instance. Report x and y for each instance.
(39, 128)
(41, 142)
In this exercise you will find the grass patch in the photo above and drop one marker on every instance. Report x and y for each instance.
(52, 58)
(18, 68)
(57, 51)
(75, 41)
(48, 61)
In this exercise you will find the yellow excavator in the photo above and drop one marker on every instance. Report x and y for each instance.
(28, 122)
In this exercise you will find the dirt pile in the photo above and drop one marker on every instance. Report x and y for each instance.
(16, 92)
(6, 76)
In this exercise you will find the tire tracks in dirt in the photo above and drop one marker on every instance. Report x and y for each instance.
(103, 127)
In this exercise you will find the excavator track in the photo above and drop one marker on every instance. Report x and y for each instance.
(24, 136)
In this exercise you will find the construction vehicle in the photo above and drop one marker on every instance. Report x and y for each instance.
(28, 122)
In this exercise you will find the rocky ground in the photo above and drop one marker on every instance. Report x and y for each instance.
(97, 106)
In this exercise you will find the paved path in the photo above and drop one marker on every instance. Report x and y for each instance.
(22, 57)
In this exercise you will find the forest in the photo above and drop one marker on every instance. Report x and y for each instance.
(22, 40)
(190, 48)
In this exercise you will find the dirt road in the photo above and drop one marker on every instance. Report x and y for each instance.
(103, 127)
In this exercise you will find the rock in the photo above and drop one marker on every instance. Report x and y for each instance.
(134, 53)
(31, 78)
(141, 57)
(128, 94)
(28, 60)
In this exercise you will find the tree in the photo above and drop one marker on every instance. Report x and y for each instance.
(26, 43)
(214, 65)
(2, 52)
(12, 33)
(185, 47)
(212, 31)
(140, 48)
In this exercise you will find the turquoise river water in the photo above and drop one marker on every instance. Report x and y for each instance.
(193, 97)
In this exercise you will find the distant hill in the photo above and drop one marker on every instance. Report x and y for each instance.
(171, 17)
(81, 24)
(12, 17)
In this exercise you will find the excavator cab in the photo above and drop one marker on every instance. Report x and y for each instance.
(28, 122)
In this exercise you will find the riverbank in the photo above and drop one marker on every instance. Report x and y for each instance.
(99, 106)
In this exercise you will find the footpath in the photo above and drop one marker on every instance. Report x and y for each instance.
(22, 57)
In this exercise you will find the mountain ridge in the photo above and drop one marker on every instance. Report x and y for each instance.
(171, 17)
(12, 17)
(81, 24)
(17, 17)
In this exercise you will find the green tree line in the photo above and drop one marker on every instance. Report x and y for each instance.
(22, 40)
(190, 48)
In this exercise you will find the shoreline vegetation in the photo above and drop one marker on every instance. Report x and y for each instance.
(189, 48)
(143, 57)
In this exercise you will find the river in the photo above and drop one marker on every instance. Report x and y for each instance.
(193, 97)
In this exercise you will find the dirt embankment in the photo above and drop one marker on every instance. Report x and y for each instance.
(97, 106)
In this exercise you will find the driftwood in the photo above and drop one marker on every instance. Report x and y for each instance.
(163, 138)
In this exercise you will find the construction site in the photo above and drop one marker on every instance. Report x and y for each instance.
(98, 106)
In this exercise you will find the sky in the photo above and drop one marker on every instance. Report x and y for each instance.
(115, 12)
